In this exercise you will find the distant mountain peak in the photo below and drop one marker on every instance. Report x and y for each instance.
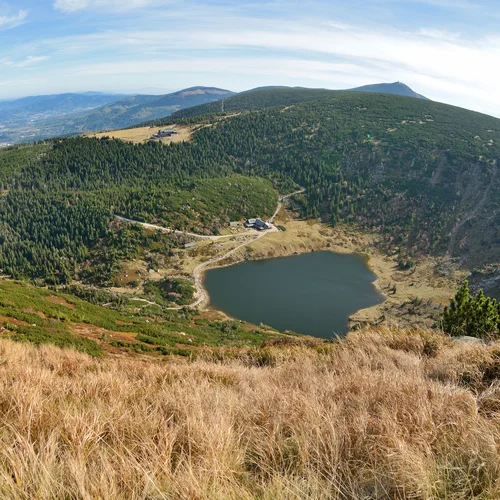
(64, 114)
(396, 88)
(204, 91)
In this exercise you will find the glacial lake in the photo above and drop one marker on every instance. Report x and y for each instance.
(313, 293)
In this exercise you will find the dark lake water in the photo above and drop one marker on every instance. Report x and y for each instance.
(313, 293)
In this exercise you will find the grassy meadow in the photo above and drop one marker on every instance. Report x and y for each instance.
(140, 135)
(382, 414)
(102, 323)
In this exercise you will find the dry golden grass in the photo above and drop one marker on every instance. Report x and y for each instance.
(383, 414)
(140, 135)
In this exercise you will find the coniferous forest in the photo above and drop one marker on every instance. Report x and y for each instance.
(422, 173)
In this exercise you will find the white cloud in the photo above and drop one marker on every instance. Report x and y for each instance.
(7, 22)
(70, 5)
(239, 52)
(445, 59)
(439, 34)
(337, 25)
(24, 63)
(30, 60)
(76, 5)
(442, 65)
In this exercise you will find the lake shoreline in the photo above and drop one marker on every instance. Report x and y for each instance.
(419, 284)
(311, 294)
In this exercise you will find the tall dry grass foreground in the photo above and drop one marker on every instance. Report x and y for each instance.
(384, 414)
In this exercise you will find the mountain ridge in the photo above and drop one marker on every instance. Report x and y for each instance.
(110, 113)
(57, 102)
(270, 96)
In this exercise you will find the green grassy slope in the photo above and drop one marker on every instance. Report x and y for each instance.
(39, 315)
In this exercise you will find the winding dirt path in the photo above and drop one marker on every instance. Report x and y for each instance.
(201, 294)
(169, 230)
(281, 200)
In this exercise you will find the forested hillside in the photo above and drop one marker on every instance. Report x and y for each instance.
(13, 159)
(422, 173)
(57, 214)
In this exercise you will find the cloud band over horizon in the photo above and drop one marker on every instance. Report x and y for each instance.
(165, 45)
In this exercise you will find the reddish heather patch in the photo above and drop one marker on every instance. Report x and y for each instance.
(212, 315)
(32, 311)
(96, 332)
(60, 301)
(13, 321)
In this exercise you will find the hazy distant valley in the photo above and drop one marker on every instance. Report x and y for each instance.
(31, 118)
(34, 118)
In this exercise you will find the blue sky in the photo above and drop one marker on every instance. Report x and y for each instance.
(448, 50)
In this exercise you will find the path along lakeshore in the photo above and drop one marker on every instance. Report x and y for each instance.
(201, 295)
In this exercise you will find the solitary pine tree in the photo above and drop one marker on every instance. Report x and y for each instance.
(472, 315)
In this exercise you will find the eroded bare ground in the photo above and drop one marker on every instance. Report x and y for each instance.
(100, 335)
(60, 301)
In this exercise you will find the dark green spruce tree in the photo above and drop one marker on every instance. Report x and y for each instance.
(472, 315)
